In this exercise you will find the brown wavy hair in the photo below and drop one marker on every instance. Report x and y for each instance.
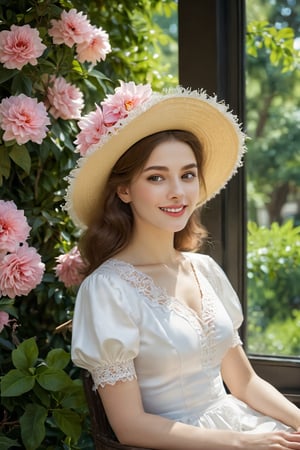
(111, 227)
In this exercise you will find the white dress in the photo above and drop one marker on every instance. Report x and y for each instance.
(126, 327)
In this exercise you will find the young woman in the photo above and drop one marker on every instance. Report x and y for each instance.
(155, 323)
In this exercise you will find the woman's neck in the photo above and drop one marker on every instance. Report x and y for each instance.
(150, 249)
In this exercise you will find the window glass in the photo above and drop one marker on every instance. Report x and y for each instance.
(273, 177)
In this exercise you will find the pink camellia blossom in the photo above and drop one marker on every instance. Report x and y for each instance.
(95, 48)
(72, 28)
(20, 46)
(92, 128)
(14, 228)
(4, 320)
(126, 97)
(65, 99)
(70, 268)
(20, 272)
(23, 119)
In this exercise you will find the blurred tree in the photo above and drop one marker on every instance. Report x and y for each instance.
(272, 105)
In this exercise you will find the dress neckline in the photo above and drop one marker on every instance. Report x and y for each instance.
(158, 296)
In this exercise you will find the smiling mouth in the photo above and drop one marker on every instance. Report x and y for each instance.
(173, 210)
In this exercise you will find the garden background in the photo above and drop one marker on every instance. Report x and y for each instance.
(42, 402)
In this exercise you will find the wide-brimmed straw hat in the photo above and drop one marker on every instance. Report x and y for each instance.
(146, 113)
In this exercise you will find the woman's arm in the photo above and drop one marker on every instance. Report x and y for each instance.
(133, 426)
(245, 384)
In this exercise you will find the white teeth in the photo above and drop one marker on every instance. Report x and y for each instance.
(172, 210)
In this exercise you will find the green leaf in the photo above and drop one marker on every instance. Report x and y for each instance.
(21, 85)
(74, 398)
(6, 443)
(4, 163)
(42, 395)
(33, 426)
(7, 305)
(57, 358)
(20, 155)
(53, 379)
(16, 383)
(25, 355)
(7, 74)
(69, 422)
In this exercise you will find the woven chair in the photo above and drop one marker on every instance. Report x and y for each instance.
(103, 435)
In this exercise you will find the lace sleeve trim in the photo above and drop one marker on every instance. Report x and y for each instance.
(110, 373)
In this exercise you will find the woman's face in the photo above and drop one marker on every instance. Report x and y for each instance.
(166, 192)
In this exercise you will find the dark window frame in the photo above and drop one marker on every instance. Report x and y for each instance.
(212, 56)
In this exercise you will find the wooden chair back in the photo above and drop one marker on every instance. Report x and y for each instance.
(103, 435)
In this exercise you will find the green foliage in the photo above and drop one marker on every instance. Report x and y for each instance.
(42, 393)
(278, 43)
(281, 337)
(273, 288)
(273, 59)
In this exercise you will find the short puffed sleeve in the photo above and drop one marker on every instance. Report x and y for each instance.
(105, 335)
(224, 290)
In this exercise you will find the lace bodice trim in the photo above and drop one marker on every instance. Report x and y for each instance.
(110, 373)
(145, 285)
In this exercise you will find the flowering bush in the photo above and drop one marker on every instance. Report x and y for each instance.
(54, 69)
(20, 46)
(22, 117)
(21, 268)
(69, 268)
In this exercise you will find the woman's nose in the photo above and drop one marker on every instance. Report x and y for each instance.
(176, 188)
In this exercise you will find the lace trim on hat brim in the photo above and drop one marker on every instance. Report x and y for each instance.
(157, 97)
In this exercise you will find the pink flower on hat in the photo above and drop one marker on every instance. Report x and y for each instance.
(20, 272)
(65, 99)
(4, 320)
(20, 46)
(23, 119)
(92, 128)
(13, 227)
(114, 107)
(70, 267)
(72, 28)
(95, 48)
(127, 97)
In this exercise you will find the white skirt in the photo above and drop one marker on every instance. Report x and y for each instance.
(229, 413)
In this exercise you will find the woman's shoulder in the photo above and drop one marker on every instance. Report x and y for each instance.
(219, 281)
(111, 269)
(110, 278)
(106, 286)
(209, 268)
(203, 261)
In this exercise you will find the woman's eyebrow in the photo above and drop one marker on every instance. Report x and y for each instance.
(166, 169)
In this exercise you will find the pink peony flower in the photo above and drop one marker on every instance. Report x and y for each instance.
(95, 48)
(92, 128)
(23, 119)
(4, 320)
(20, 272)
(69, 268)
(20, 46)
(72, 28)
(65, 99)
(14, 228)
(126, 97)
